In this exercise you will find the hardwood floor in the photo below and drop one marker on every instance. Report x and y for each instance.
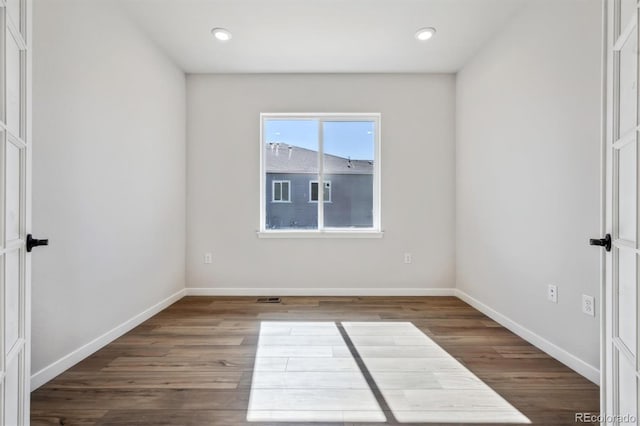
(192, 364)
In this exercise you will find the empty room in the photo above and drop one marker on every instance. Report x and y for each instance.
(319, 212)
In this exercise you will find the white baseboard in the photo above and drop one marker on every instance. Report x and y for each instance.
(52, 370)
(288, 291)
(571, 361)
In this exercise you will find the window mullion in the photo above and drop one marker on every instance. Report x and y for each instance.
(320, 176)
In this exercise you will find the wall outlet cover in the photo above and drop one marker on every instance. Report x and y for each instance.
(588, 305)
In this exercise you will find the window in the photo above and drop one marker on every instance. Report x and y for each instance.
(313, 191)
(281, 192)
(301, 153)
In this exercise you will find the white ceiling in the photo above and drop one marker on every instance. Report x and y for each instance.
(320, 35)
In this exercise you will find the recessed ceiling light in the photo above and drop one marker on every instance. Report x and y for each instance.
(424, 34)
(221, 34)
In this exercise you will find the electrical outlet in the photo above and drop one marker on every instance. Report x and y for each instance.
(208, 258)
(552, 293)
(588, 305)
(408, 258)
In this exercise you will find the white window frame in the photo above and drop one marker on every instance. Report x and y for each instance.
(311, 182)
(375, 231)
(273, 191)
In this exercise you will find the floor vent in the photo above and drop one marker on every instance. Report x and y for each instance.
(268, 300)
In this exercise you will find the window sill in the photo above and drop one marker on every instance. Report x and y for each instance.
(320, 234)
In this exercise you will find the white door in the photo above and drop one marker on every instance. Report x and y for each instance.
(15, 201)
(620, 345)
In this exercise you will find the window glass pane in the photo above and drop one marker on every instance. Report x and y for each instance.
(627, 91)
(627, 9)
(627, 282)
(327, 191)
(12, 392)
(13, 7)
(14, 95)
(348, 161)
(12, 305)
(291, 155)
(627, 192)
(314, 191)
(13, 165)
(277, 191)
(628, 386)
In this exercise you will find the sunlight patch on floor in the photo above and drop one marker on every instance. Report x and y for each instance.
(304, 372)
(421, 382)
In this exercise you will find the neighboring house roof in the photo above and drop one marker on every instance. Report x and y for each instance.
(283, 158)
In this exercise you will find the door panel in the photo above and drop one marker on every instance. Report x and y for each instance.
(620, 342)
(14, 219)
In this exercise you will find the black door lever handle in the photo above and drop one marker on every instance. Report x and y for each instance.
(602, 242)
(32, 242)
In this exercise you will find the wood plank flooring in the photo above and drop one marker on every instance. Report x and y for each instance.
(192, 364)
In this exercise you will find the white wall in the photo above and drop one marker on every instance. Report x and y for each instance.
(528, 172)
(417, 183)
(109, 174)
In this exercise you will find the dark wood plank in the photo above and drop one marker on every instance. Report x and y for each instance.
(192, 363)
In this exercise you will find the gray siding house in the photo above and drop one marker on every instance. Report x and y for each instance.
(292, 189)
